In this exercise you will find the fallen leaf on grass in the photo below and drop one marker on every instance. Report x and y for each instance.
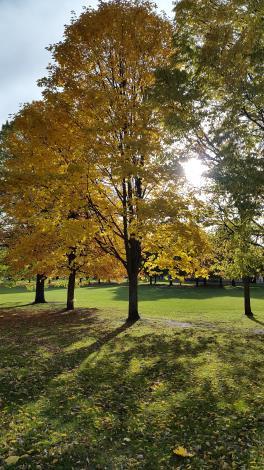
(12, 460)
(182, 452)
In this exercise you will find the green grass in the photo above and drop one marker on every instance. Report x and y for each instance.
(83, 390)
(198, 305)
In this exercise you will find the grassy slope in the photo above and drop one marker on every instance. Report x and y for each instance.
(84, 391)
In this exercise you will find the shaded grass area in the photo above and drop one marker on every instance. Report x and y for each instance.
(83, 390)
(199, 305)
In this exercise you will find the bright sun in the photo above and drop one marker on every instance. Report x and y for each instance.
(194, 170)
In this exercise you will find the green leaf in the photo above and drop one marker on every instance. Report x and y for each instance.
(12, 460)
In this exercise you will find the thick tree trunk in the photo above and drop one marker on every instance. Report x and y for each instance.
(40, 294)
(233, 283)
(70, 290)
(246, 282)
(133, 314)
(150, 280)
(205, 282)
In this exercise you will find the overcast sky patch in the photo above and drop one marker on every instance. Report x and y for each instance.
(27, 27)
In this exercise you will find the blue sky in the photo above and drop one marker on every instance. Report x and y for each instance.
(26, 28)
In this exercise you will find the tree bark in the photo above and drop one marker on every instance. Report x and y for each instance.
(71, 281)
(233, 283)
(247, 305)
(150, 280)
(40, 293)
(205, 282)
(70, 290)
(133, 314)
(220, 282)
(197, 282)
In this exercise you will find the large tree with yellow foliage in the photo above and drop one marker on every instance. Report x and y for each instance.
(89, 162)
(103, 69)
(51, 229)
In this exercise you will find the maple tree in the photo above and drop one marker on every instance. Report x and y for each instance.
(213, 103)
(105, 66)
(181, 248)
(52, 227)
(236, 257)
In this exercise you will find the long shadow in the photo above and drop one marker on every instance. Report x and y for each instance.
(152, 293)
(19, 306)
(252, 318)
(55, 332)
(125, 414)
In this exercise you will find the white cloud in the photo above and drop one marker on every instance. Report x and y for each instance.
(27, 27)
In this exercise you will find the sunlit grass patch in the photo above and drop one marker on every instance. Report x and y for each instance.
(84, 391)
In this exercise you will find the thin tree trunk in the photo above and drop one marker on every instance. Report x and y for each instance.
(248, 312)
(220, 282)
(197, 282)
(71, 281)
(133, 314)
(150, 280)
(40, 294)
(70, 290)
(155, 279)
(205, 282)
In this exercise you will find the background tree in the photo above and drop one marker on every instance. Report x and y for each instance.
(236, 256)
(213, 103)
(180, 248)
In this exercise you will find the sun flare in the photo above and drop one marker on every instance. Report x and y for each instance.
(194, 170)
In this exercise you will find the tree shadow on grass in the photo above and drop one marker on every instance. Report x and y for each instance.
(132, 395)
(255, 320)
(15, 306)
(152, 293)
(41, 341)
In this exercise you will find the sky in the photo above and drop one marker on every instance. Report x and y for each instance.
(27, 27)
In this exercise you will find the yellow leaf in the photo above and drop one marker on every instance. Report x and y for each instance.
(12, 460)
(182, 452)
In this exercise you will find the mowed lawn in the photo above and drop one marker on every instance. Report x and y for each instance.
(185, 304)
(84, 390)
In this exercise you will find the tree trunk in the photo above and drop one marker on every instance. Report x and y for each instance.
(220, 282)
(40, 294)
(70, 290)
(197, 282)
(205, 282)
(155, 279)
(248, 312)
(150, 280)
(133, 314)
(233, 283)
